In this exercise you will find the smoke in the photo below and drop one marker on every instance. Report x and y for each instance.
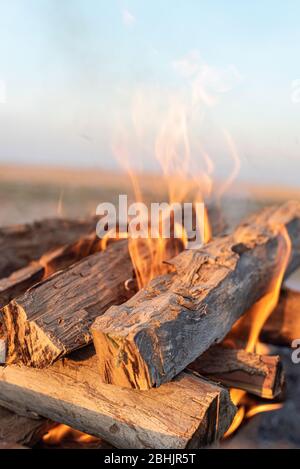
(207, 82)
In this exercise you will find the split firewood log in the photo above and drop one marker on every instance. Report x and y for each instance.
(53, 318)
(50, 262)
(257, 374)
(22, 244)
(167, 325)
(189, 412)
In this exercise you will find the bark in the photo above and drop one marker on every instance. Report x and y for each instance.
(50, 262)
(257, 374)
(21, 244)
(53, 318)
(167, 325)
(187, 413)
(19, 281)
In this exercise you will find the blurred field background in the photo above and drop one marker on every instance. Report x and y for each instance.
(29, 193)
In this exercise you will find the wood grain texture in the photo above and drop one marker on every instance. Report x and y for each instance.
(21, 244)
(22, 430)
(188, 412)
(256, 374)
(53, 318)
(167, 325)
(50, 262)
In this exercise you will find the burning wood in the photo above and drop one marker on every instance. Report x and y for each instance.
(257, 374)
(63, 436)
(186, 413)
(20, 280)
(168, 324)
(284, 325)
(22, 244)
(53, 318)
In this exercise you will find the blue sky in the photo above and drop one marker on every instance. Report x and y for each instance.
(75, 69)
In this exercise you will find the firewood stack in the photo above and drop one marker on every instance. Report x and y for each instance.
(79, 345)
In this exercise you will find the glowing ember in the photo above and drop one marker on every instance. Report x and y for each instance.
(62, 433)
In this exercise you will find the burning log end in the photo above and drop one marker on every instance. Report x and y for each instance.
(260, 375)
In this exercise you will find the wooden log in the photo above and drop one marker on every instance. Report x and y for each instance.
(257, 374)
(178, 316)
(19, 281)
(53, 318)
(187, 413)
(50, 262)
(21, 244)
(283, 326)
(22, 430)
(64, 256)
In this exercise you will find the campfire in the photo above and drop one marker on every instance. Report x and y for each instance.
(143, 344)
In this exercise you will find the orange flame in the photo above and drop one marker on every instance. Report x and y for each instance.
(61, 433)
(187, 180)
(262, 408)
(260, 312)
(172, 150)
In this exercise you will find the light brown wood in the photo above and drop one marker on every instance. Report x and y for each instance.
(22, 430)
(53, 318)
(188, 412)
(167, 325)
(21, 244)
(257, 374)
